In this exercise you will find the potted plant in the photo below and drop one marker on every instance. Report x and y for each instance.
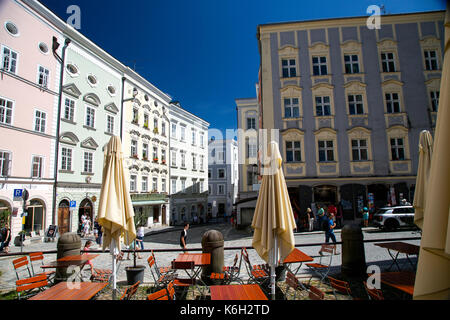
(136, 272)
(146, 124)
(163, 161)
(155, 159)
(155, 130)
(20, 238)
(135, 156)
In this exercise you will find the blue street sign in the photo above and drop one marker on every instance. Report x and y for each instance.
(18, 193)
(73, 204)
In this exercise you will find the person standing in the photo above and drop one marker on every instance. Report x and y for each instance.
(140, 236)
(310, 215)
(320, 215)
(6, 238)
(365, 217)
(183, 237)
(99, 235)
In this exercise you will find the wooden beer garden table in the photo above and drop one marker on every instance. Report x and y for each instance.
(76, 260)
(403, 281)
(71, 291)
(200, 259)
(237, 292)
(401, 247)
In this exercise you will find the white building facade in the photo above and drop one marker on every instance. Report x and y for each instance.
(223, 177)
(188, 166)
(145, 142)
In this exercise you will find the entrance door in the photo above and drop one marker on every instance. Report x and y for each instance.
(63, 217)
(85, 209)
(155, 214)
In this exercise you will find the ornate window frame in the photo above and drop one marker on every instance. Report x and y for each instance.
(360, 167)
(289, 52)
(391, 119)
(320, 49)
(300, 166)
(386, 46)
(321, 90)
(324, 168)
(290, 92)
(398, 132)
(431, 43)
(433, 84)
(352, 47)
(356, 88)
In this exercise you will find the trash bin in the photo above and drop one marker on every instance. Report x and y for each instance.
(69, 244)
(212, 242)
(353, 255)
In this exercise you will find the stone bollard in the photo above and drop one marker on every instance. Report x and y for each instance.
(212, 242)
(69, 244)
(353, 255)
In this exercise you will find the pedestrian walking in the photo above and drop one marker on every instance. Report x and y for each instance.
(329, 233)
(87, 247)
(310, 215)
(87, 227)
(132, 246)
(140, 236)
(183, 237)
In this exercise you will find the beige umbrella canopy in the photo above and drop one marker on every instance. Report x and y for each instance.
(433, 270)
(423, 172)
(115, 211)
(273, 220)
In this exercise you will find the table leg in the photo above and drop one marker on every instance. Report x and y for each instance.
(394, 260)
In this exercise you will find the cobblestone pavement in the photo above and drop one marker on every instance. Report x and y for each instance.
(168, 238)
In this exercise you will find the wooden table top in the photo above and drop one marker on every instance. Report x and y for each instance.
(402, 247)
(71, 291)
(76, 260)
(403, 280)
(237, 292)
(200, 259)
(297, 256)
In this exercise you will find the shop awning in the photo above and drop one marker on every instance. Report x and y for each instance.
(148, 202)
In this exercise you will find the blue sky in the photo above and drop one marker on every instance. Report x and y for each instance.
(204, 53)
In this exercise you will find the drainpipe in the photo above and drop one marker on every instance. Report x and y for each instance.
(61, 76)
(121, 107)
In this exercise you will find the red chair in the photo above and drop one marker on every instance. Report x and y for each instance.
(20, 266)
(374, 294)
(316, 293)
(39, 256)
(28, 285)
(322, 268)
(130, 292)
(340, 286)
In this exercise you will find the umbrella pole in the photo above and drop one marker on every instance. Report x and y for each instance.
(114, 280)
(273, 265)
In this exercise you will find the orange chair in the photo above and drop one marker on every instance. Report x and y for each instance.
(256, 275)
(21, 265)
(29, 284)
(161, 279)
(322, 268)
(163, 294)
(316, 293)
(340, 286)
(292, 282)
(374, 294)
(129, 293)
(39, 256)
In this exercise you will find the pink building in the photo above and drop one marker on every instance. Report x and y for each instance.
(29, 96)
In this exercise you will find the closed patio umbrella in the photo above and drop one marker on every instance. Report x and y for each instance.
(433, 270)
(423, 172)
(115, 211)
(273, 220)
